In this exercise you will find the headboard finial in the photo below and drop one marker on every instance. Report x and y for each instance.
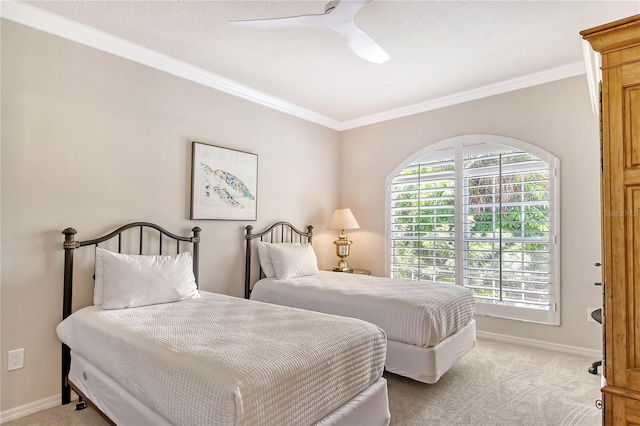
(196, 234)
(69, 242)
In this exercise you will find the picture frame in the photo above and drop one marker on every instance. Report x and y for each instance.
(224, 183)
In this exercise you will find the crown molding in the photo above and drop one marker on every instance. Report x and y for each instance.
(547, 76)
(54, 24)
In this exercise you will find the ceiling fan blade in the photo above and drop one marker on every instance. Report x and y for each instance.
(363, 45)
(338, 18)
(304, 21)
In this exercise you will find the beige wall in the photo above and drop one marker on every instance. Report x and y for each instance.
(93, 141)
(556, 117)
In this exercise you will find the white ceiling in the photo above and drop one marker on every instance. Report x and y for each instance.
(438, 49)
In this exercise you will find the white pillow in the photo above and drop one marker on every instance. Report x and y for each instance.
(98, 278)
(130, 281)
(265, 257)
(291, 261)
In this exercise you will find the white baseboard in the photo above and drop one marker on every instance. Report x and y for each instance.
(33, 407)
(573, 350)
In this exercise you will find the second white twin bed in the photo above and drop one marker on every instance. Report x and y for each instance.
(429, 325)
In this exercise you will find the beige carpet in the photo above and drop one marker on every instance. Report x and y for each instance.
(501, 384)
(494, 384)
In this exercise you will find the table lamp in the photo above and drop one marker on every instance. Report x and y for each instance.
(340, 220)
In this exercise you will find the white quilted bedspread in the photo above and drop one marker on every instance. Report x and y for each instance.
(419, 313)
(221, 360)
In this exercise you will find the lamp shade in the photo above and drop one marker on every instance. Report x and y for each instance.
(343, 219)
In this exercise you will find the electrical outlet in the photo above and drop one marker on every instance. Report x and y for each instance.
(16, 359)
(589, 317)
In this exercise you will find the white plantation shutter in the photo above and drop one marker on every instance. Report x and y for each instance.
(423, 222)
(482, 216)
(506, 235)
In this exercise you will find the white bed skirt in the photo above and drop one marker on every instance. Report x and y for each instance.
(369, 407)
(427, 365)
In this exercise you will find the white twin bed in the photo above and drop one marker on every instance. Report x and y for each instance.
(429, 326)
(158, 351)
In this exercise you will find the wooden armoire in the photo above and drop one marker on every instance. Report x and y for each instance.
(619, 45)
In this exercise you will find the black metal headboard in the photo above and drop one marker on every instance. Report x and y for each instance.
(279, 232)
(70, 245)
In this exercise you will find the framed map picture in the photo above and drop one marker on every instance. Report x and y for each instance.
(224, 183)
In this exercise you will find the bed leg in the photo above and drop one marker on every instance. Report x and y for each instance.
(66, 363)
(81, 404)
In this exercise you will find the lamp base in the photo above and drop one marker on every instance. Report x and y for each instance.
(343, 266)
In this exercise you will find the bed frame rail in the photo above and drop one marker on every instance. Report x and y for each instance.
(70, 244)
(279, 232)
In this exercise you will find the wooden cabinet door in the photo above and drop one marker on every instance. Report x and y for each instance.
(619, 44)
(621, 205)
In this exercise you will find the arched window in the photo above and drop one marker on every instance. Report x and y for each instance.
(480, 211)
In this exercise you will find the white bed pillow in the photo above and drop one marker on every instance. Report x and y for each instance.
(264, 255)
(130, 281)
(291, 261)
(98, 279)
(265, 259)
